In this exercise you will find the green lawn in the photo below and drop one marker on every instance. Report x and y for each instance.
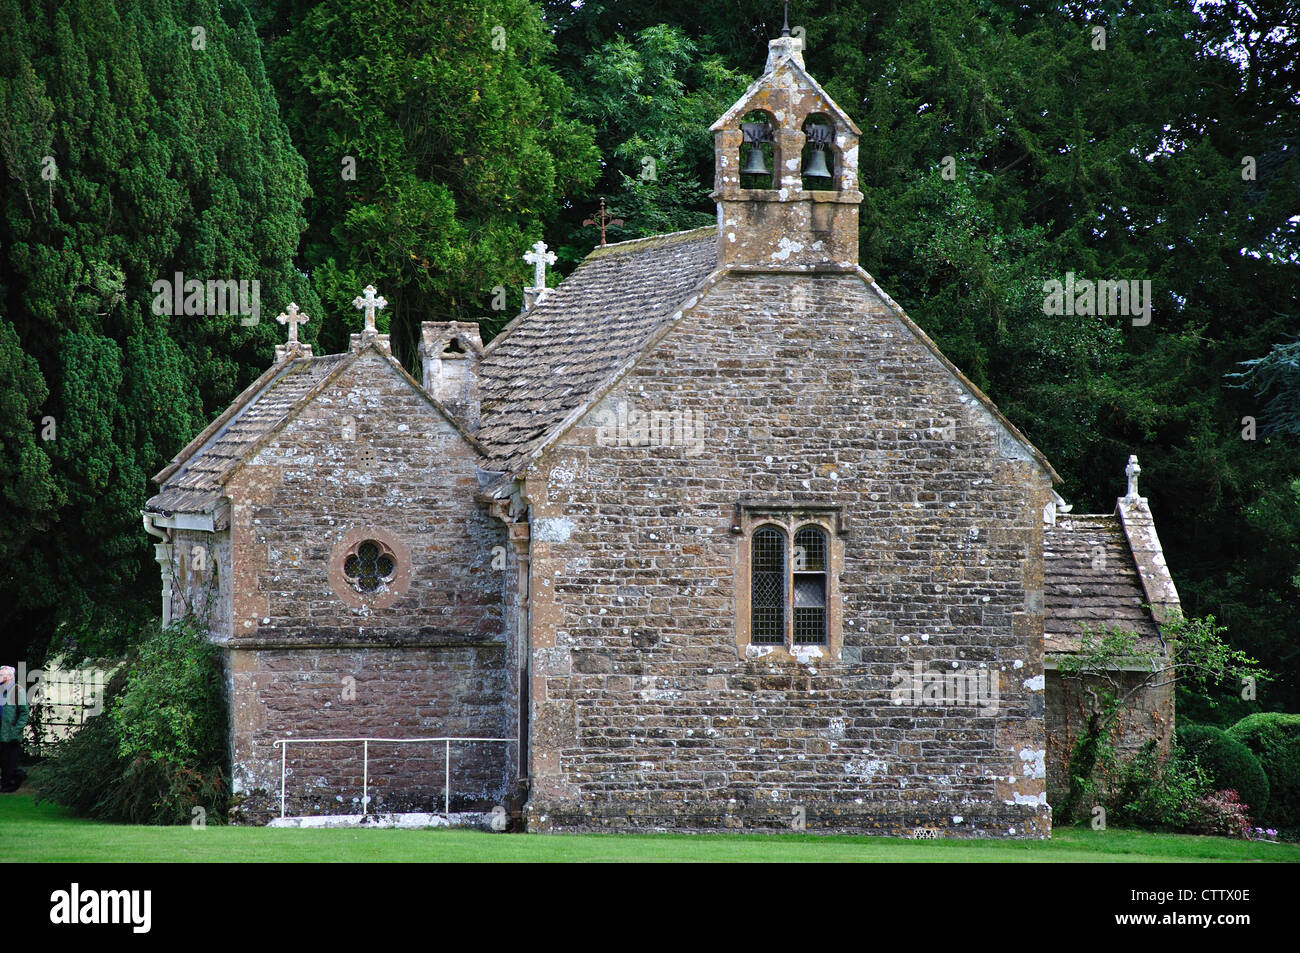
(29, 832)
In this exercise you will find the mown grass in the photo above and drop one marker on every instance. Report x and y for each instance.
(44, 833)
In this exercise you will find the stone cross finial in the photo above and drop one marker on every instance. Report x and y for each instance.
(369, 301)
(291, 317)
(539, 258)
(1131, 471)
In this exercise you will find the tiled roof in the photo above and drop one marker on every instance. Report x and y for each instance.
(557, 355)
(195, 479)
(534, 377)
(1090, 577)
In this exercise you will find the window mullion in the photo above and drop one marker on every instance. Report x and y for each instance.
(789, 589)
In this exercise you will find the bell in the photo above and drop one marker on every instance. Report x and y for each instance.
(754, 164)
(819, 137)
(817, 165)
(755, 134)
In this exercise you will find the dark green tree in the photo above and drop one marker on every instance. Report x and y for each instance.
(138, 139)
(651, 99)
(1275, 378)
(438, 146)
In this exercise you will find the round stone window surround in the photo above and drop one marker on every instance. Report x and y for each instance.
(388, 592)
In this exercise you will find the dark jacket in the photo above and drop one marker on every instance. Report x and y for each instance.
(13, 718)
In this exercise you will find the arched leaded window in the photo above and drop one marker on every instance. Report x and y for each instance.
(767, 601)
(809, 574)
(787, 569)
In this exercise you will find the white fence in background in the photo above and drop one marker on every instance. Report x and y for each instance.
(61, 699)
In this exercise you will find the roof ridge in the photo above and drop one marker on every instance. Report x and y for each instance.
(628, 246)
(323, 384)
(217, 430)
(651, 241)
(600, 316)
(522, 455)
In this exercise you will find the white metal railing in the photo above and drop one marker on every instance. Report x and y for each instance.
(284, 743)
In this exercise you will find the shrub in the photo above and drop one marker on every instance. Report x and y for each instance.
(157, 752)
(1229, 764)
(1102, 668)
(1164, 796)
(1274, 738)
(171, 708)
(1176, 794)
(1222, 813)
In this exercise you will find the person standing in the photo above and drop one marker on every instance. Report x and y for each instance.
(13, 718)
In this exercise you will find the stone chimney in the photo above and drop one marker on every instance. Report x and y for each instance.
(450, 352)
(788, 220)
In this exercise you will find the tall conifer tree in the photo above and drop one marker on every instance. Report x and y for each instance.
(140, 139)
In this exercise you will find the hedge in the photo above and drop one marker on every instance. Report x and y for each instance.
(1274, 738)
(1229, 763)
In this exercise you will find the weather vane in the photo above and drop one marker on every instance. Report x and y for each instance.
(602, 222)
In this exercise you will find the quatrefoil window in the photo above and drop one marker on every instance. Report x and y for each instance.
(369, 566)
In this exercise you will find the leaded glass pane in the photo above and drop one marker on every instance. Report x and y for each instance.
(810, 586)
(767, 601)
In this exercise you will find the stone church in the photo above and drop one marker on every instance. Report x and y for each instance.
(711, 536)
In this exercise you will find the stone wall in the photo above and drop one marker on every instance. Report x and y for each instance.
(368, 454)
(201, 578)
(805, 391)
(369, 692)
(1148, 716)
(369, 458)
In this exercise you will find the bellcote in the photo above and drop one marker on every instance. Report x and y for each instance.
(786, 172)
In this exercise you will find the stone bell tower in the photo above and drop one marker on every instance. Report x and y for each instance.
(800, 212)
